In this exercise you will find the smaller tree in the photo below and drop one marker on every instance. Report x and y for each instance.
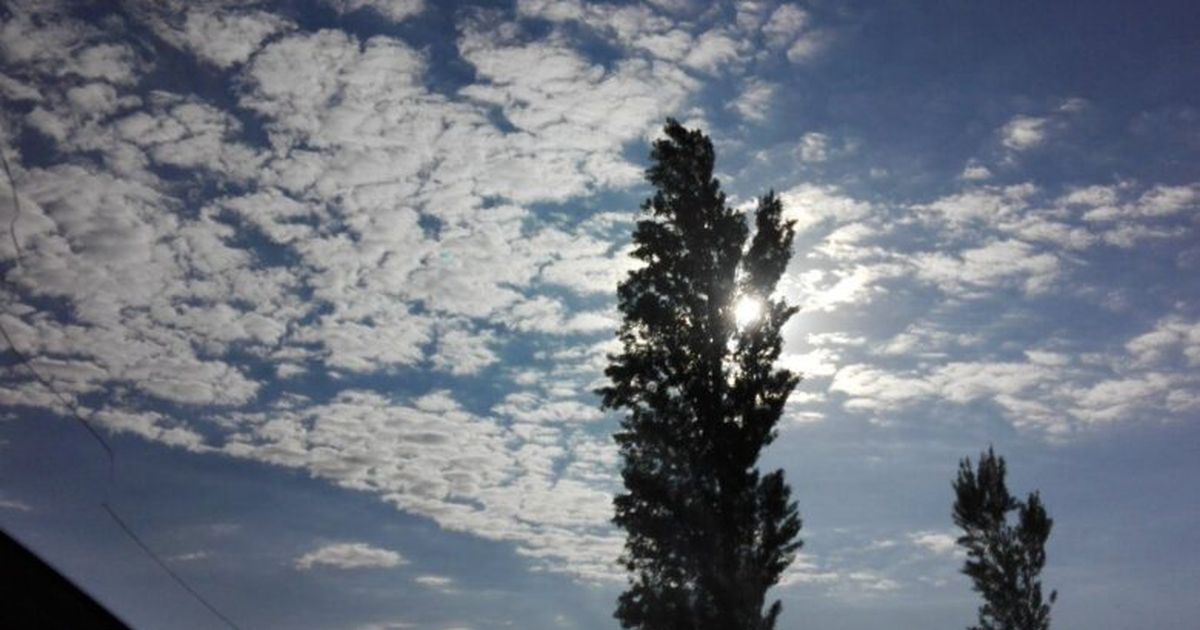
(1004, 560)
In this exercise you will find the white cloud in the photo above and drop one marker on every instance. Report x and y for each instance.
(871, 388)
(114, 63)
(1052, 359)
(400, 218)
(303, 106)
(190, 556)
(808, 46)
(1129, 235)
(463, 351)
(1024, 132)
(18, 91)
(676, 6)
(810, 205)
(712, 51)
(438, 582)
(963, 382)
(819, 290)
(121, 250)
(386, 625)
(1122, 397)
(1074, 105)
(819, 362)
(546, 315)
(349, 556)
(924, 339)
(1172, 336)
(851, 584)
(637, 28)
(41, 35)
(227, 39)
(813, 147)
(578, 114)
(804, 570)
(834, 339)
(975, 172)
(553, 10)
(13, 504)
(582, 262)
(998, 264)
(394, 10)
(754, 100)
(428, 456)
(1159, 201)
(1037, 229)
(480, 254)
(852, 242)
(528, 407)
(872, 582)
(1167, 200)
(1093, 196)
(989, 206)
(785, 25)
(1050, 393)
(1110, 214)
(187, 133)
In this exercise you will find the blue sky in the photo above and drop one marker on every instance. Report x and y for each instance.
(335, 278)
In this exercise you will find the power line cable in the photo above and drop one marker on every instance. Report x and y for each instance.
(73, 408)
(24, 360)
(12, 225)
(175, 576)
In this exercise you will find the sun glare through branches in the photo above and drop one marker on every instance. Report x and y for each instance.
(747, 310)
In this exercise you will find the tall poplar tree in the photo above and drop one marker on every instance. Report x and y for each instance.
(1004, 560)
(707, 533)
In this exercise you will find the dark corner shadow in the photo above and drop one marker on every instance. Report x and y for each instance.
(38, 596)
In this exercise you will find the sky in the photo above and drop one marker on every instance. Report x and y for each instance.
(335, 281)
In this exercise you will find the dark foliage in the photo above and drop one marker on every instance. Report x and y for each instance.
(707, 534)
(1004, 560)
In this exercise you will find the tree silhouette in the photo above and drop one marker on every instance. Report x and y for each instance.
(707, 534)
(1003, 560)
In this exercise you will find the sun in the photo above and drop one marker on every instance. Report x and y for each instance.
(747, 310)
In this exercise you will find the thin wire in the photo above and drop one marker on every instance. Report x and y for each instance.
(24, 360)
(12, 225)
(178, 579)
(87, 424)
(12, 232)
